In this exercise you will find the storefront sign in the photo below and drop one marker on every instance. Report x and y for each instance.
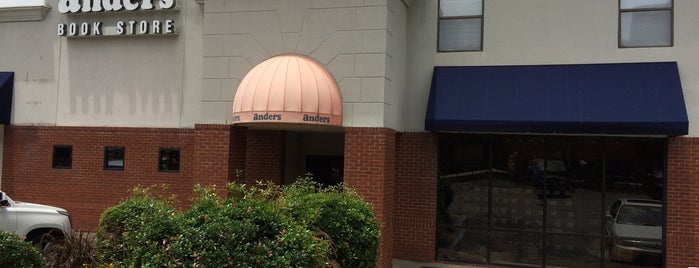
(286, 117)
(316, 118)
(140, 26)
(266, 117)
(86, 6)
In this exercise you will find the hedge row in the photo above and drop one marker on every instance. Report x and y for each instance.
(265, 225)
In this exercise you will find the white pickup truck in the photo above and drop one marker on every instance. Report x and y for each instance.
(33, 221)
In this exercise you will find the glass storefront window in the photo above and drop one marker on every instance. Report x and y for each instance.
(460, 244)
(551, 200)
(573, 251)
(512, 248)
(464, 185)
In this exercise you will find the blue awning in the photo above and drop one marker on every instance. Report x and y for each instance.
(6, 87)
(624, 98)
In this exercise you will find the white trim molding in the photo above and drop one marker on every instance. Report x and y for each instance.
(23, 10)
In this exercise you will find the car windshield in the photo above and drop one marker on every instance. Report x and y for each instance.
(640, 215)
(551, 165)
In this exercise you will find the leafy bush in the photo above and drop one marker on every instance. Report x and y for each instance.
(264, 225)
(341, 214)
(279, 240)
(18, 253)
(134, 232)
(246, 232)
(206, 234)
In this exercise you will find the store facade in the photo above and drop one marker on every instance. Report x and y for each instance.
(482, 136)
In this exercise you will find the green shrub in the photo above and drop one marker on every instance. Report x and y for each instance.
(278, 240)
(245, 231)
(135, 232)
(341, 214)
(208, 234)
(264, 225)
(15, 252)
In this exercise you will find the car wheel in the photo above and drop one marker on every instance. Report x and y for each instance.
(46, 241)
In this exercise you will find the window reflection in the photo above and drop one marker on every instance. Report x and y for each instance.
(645, 23)
(169, 160)
(521, 194)
(634, 185)
(573, 251)
(460, 25)
(640, 215)
(114, 158)
(458, 244)
(510, 248)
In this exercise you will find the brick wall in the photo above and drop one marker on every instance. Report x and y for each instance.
(415, 196)
(369, 168)
(87, 189)
(682, 202)
(212, 156)
(265, 150)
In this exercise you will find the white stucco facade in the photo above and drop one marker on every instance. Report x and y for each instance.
(133, 81)
(381, 54)
(361, 44)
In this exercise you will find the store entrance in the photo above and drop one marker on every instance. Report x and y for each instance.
(316, 155)
(326, 170)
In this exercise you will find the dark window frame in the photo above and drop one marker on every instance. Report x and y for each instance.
(441, 18)
(107, 166)
(639, 10)
(55, 162)
(162, 152)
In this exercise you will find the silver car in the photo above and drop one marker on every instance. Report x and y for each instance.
(33, 221)
(634, 229)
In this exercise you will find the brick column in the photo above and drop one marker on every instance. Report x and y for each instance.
(369, 168)
(211, 156)
(415, 196)
(681, 204)
(265, 156)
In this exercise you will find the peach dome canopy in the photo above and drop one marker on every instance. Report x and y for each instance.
(288, 88)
